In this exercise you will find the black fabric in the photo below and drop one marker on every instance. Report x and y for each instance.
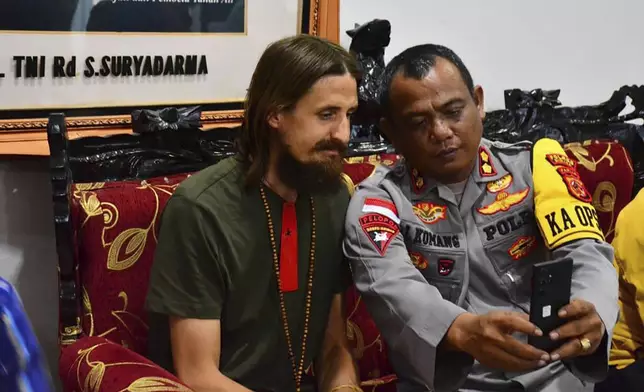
(629, 379)
(368, 43)
(532, 115)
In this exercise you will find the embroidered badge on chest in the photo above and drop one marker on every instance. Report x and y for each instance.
(522, 247)
(445, 266)
(430, 213)
(486, 167)
(418, 260)
(504, 201)
(500, 184)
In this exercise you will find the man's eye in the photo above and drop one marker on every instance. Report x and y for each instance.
(326, 115)
(455, 113)
(419, 123)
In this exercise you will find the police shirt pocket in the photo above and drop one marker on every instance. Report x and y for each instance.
(444, 270)
(513, 259)
(509, 239)
(450, 289)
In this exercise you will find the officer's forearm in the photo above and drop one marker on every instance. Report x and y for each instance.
(594, 280)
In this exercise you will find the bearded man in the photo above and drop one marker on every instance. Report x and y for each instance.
(246, 287)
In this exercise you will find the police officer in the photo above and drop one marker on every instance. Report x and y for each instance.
(442, 244)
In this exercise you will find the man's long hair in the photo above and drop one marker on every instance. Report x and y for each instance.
(286, 71)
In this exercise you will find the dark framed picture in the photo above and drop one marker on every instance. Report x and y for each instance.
(97, 60)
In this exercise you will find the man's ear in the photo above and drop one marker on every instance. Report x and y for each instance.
(274, 119)
(479, 100)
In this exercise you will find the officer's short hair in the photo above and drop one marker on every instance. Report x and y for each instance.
(416, 62)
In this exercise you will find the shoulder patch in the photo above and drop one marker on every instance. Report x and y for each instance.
(380, 222)
(382, 207)
(380, 229)
(562, 203)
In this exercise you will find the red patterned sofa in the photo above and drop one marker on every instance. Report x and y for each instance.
(106, 235)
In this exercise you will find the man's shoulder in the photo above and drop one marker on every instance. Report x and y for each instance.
(515, 157)
(380, 187)
(215, 181)
(508, 150)
(378, 178)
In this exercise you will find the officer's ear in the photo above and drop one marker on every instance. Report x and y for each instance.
(479, 100)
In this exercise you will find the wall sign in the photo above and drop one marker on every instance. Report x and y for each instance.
(97, 60)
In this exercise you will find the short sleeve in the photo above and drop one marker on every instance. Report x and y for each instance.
(340, 205)
(186, 280)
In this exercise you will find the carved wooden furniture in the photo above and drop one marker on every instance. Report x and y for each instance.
(108, 195)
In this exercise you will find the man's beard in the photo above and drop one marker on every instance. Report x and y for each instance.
(318, 177)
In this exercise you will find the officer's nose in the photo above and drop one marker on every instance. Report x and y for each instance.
(442, 131)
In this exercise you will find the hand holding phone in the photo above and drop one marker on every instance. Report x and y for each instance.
(551, 281)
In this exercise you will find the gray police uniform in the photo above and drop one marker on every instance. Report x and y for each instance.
(420, 258)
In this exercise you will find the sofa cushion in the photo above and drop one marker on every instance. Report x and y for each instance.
(116, 225)
(607, 171)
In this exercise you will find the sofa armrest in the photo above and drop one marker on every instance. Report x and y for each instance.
(94, 364)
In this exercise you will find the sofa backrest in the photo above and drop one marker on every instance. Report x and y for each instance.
(115, 226)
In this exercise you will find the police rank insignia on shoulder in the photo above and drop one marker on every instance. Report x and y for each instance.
(430, 213)
(380, 223)
(486, 167)
(417, 181)
(561, 201)
(500, 184)
(504, 201)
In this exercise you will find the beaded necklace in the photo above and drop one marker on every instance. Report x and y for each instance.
(297, 371)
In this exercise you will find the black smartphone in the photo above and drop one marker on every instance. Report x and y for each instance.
(551, 282)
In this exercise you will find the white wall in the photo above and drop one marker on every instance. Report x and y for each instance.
(586, 48)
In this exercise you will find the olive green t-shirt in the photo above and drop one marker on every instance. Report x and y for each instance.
(214, 261)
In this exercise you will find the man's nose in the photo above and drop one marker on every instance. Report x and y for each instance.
(442, 131)
(343, 131)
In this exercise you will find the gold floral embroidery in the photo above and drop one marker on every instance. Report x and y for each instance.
(354, 334)
(155, 384)
(94, 378)
(128, 246)
(585, 159)
(604, 199)
(117, 314)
